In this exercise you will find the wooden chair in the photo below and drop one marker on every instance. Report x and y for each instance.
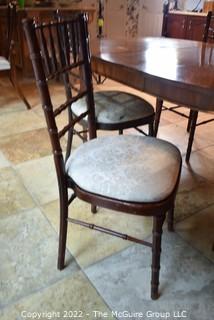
(193, 116)
(7, 62)
(129, 173)
(115, 110)
(208, 36)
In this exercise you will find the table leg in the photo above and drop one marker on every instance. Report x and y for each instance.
(159, 105)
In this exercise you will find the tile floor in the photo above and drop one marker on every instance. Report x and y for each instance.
(103, 274)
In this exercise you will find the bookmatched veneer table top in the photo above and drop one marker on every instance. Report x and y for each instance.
(180, 71)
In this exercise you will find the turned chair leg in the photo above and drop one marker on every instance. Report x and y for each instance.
(170, 219)
(93, 208)
(63, 228)
(159, 105)
(191, 134)
(151, 129)
(189, 120)
(14, 77)
(156, 252)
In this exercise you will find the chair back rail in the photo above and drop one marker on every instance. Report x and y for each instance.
(57, 53)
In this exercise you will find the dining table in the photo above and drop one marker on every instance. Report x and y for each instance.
(175, 70)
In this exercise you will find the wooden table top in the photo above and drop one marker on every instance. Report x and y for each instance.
(181, 71)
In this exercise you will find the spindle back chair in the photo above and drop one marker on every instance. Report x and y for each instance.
(8, 61)
(115, 109)
(115, 172)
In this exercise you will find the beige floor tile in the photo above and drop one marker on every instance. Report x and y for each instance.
(28, 256)
(16, 122)
(206, 130)
(178, 136)
(189, 179)
(29, 244)
(208, 153)
(193, 199)
(175, 130)
(89, 246)
(75, 293)
(174, 117)
(59, 98)
(9, 101)
(26, 145)
(198, 231)
(202, 116)
(180, 120)
(39, 177)
(61, 122)
(13, 195)
(186, 282)
(10, 105)
(3, 161)
(194, 193)
(201, 162)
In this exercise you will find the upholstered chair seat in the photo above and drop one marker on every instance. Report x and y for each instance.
(8, 62)
(4, 64)
(129, 168)
(116, 107)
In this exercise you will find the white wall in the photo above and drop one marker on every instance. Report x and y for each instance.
(138, 18)
(191, 4)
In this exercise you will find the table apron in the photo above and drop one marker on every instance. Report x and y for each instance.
(178, 93)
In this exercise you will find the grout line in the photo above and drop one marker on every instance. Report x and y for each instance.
(194, 248)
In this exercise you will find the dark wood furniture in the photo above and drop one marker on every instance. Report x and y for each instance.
(180, 71)
(184, 25)
(133, 174)
(116, 110)
(8, 60)
(192, 122)
(43, 14)
(209, 28)
(193, 26)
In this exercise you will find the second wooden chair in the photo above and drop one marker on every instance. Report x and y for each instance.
(114, 110)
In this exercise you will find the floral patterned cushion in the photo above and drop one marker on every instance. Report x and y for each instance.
(127, 167)
(4, 64)
(115, 107)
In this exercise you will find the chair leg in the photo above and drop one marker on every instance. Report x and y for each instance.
(159, 105)
(191, 134)
(120, 131)
(189, 120)
(85, 133)
(63, 227)
(15, 83)
(170, 219)
(151, 129)
(93, 208)
(156, 251)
